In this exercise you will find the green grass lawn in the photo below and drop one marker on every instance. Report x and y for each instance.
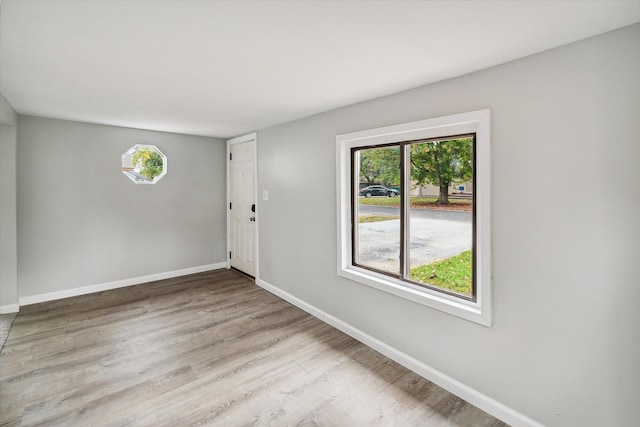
(376, 218)
(453, 273)
(417, 202)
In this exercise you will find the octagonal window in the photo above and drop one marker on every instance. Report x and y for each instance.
(144, 164)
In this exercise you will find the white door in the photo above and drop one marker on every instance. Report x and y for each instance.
(242, 206)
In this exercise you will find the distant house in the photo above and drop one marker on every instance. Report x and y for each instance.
(455, 188)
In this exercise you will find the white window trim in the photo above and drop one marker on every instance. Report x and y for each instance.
(477, 122)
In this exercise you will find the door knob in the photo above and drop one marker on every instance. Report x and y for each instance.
(252, 219)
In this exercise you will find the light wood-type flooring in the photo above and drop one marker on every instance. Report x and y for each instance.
(206, 349)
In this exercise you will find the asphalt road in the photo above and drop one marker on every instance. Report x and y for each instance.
(434, 235)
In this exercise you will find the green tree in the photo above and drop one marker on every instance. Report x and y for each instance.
(150, 160)
(380, 166)
(442, 162)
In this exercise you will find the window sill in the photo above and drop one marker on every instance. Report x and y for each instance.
(468, 310)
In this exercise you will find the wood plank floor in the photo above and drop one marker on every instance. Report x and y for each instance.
(205, 349)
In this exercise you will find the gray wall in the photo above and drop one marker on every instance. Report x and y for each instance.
(8, 239)
(564, 348)
(82, 222)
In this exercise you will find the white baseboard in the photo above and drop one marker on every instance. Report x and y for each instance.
(482, 401)
(34, 299)
(9, 308)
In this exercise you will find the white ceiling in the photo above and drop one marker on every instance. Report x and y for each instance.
(224, 68)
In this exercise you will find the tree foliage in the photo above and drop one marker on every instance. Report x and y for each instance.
(380, 166)
(150, 161)
(433, 162)
(442, 162)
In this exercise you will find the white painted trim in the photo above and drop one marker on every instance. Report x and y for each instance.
(9, 308)
(34, 299)
(471, 395)
(238, 140)
(477, 122)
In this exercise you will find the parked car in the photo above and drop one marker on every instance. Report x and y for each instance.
(378, 190)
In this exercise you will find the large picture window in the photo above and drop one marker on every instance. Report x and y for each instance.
(414, 212)
(424, 236)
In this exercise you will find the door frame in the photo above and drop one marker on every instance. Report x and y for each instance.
(238, 140)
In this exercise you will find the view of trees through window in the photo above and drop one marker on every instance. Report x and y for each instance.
(150, 161)
(144, 164)
(414, 212)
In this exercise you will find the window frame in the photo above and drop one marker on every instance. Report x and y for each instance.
(475, 122)
(405, 177)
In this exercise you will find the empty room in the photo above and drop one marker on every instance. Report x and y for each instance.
(332, 213)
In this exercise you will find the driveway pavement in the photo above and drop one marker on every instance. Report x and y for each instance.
(434, 235)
